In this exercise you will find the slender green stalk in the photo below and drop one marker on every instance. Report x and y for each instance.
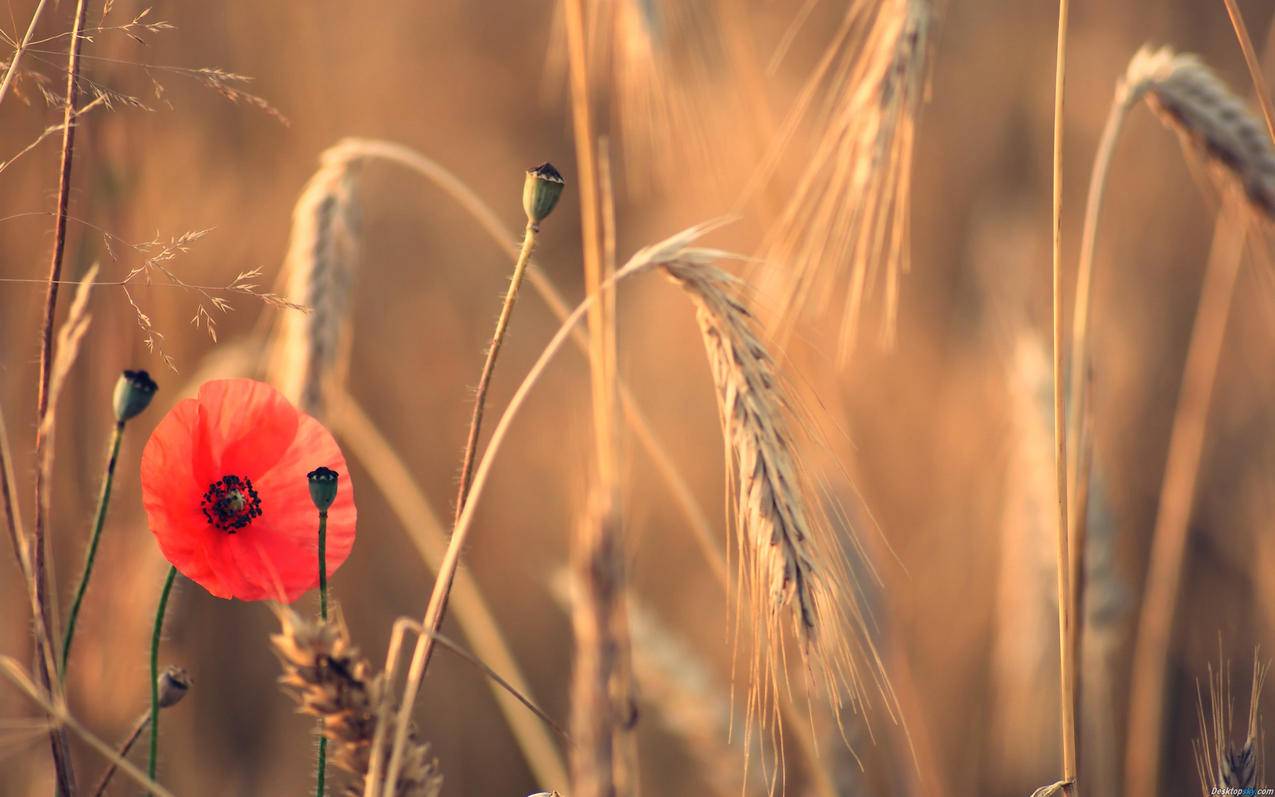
(102, 502)
(323, 612)
(153, 760)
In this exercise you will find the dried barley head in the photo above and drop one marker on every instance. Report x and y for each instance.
(1210, 118)
(311, 351)
(333, 682)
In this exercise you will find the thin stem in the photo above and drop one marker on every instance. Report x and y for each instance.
(1254, 66)
(419, 521)
(1177, 498)
(322, 773)
(153, 760)
(1088, 247)
(143, 722)
(12, 71)
(57, 735)
(1067, 665)
(451, 560)
(489, 367)
(443, 583)
(98, 522)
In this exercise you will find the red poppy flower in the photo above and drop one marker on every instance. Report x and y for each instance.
(225, 489)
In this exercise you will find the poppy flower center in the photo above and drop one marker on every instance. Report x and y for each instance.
(230, 504)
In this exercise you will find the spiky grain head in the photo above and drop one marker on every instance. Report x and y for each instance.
(844, 229)
(794, 570)
(311, 351)
(1220, 763)
(331, 681)
(1209, 117)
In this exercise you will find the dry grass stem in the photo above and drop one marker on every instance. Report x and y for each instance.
(1254, 66)
(1152, 649)
(330, 681)
(61, 750)
(1067, 614)
(57, 711)
(11, 71)
(420, 522)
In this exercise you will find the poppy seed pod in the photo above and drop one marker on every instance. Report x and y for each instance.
(540, 192)
(133, 394)
(174, 683)
(322, 487)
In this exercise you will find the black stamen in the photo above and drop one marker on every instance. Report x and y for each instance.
(230, 504)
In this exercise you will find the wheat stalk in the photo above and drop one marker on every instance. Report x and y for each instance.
(331, 681)
(311, 353)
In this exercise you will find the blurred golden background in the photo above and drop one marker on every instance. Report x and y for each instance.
(944, 437)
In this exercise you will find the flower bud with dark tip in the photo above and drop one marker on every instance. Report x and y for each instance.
(174, 683)
(322, 487)
(133, 394)
(540, 192)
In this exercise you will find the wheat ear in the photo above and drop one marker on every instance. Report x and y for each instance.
(846, 223)
(1236, 146)
(311, 351)
(331, 681)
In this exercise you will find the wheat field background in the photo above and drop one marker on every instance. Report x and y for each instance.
(938, 446)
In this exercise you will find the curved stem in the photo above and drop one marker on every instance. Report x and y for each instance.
(321, 775)
(451, 561)
(98, 521)
(155, 637)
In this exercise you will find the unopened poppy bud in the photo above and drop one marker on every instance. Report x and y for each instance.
(541, 191)
(174, 683)
(322, 487)
(133, 394)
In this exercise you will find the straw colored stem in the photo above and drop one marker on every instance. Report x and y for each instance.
(15, 674)
(1151, 649)
(12, 71)
(156, 635)
(1253, 64)
(99, 520)
(590, 223)
(395, 482)
(1088, 247)
(1067, 664)
(460, 534)
(57, 736)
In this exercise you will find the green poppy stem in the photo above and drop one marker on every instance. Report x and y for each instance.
(155, 636)
(321, 775)
(98, 522)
